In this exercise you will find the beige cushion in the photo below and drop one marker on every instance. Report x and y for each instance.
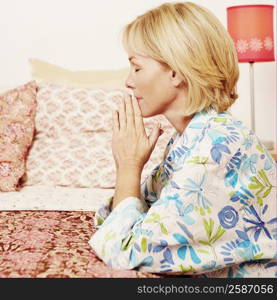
(43, 72)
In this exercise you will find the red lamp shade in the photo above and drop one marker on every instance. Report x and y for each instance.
(251, 27)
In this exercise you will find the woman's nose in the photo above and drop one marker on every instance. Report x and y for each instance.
(128, 83)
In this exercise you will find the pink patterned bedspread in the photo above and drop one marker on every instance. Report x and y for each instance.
(41, 244)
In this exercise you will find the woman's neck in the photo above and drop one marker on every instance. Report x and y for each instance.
(179, 121)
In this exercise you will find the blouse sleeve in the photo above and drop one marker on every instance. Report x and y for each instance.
(163, 238)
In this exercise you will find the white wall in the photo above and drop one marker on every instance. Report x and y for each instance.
(85, 34)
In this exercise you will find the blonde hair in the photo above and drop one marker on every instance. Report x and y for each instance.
(191, 41)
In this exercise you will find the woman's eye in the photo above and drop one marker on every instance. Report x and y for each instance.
(136, 70)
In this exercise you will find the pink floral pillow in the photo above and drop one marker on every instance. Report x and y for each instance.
(17, 114)
(73, 141)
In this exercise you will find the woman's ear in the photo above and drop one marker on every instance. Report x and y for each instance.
(176, 79)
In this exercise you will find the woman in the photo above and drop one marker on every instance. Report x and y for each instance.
(210, 206)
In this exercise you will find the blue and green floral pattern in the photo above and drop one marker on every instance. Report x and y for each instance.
(208, 209)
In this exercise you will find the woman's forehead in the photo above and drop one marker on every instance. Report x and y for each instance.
(135, 55)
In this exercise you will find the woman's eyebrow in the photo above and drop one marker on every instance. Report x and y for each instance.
(132, 58)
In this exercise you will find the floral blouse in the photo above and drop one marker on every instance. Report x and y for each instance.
(209, 205)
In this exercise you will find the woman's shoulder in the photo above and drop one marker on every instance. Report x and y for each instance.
(224, 120)
(218, 136)
(218, 127)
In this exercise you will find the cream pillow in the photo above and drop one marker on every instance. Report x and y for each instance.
(44, 72)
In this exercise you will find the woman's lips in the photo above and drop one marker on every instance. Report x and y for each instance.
(138, 99)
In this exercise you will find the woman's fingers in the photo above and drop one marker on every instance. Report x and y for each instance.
(129, 112)
(115, 121)
(138, 117)
(122, 115)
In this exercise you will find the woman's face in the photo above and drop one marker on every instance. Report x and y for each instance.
(151, 84)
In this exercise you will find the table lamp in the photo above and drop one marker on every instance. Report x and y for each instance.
(251, 28)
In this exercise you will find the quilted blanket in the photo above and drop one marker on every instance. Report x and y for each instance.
(45, 244)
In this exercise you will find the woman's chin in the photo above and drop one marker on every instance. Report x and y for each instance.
(147, 115)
